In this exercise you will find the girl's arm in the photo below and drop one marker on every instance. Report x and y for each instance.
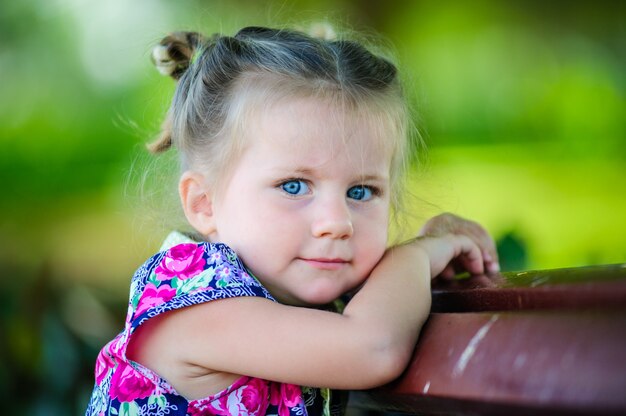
(366, 346)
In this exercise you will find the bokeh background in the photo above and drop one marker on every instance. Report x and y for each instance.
(521, 104)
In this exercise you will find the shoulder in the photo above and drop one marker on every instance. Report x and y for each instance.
(188, 260)
(187, 274)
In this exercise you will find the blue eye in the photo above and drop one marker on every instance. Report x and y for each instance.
(295, 187)
(360, 193)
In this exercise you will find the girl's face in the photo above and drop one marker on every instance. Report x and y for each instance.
(307, 205)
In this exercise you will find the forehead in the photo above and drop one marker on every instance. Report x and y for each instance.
(319, 132)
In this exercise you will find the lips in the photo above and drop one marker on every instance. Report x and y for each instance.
(325, 263)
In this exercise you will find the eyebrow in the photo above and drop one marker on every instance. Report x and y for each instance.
(372, 178)
(312, 172)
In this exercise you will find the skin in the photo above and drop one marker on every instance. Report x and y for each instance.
(307, 247)
(448, 223)
(323, 243)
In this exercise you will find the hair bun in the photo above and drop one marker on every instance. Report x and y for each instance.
(174, 53)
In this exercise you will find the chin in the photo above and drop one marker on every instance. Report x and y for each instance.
(321, 296)
(319, 301)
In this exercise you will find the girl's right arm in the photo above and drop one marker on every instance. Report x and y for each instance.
(366, 346)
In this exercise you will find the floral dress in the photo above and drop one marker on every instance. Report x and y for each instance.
(184, 275)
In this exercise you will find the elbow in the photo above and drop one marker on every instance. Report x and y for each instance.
(387, 358)
(391, 364)
(390, 358)
(383, 364)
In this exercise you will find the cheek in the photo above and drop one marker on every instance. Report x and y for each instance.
(264, 229)
(373, 238)
(282, 217)
(370, 256)
(375, 249)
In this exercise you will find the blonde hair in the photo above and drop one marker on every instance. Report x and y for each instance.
(218, 76)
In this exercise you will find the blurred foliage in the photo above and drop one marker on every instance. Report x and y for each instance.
(521, 103)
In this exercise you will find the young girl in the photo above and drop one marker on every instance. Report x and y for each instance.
(292, 149)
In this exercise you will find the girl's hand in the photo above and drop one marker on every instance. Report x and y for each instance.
(442, 251)
(451, 224)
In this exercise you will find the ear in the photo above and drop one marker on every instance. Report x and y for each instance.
(197, 202)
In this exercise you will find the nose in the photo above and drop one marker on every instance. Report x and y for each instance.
(332, 220)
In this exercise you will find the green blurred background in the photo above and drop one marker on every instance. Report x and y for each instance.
(521, 104)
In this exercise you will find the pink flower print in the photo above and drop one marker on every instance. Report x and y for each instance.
(250, 399)
(129, 314)
(128, 385)
(285, 396)
(182, 261)
(153, 296)
(114, 346)
(104, 363)
(206, 408)
(198, 410)
(291, 394)
(255, 397)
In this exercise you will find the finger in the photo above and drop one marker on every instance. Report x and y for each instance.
(490, 257)
(448, 272)
(469, 255)
(491, 266)
(487, 245)
(480, 235)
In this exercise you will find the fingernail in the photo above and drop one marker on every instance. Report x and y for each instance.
(494, 267)
(487, 257)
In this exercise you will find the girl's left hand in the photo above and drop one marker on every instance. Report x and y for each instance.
(449, 223)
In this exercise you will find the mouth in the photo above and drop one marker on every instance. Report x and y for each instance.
(326, 264)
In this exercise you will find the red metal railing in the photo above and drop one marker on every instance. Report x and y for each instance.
(541, 343)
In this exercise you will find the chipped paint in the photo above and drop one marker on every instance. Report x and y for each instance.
(470, 350)
(426, 387)
(539, 281)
